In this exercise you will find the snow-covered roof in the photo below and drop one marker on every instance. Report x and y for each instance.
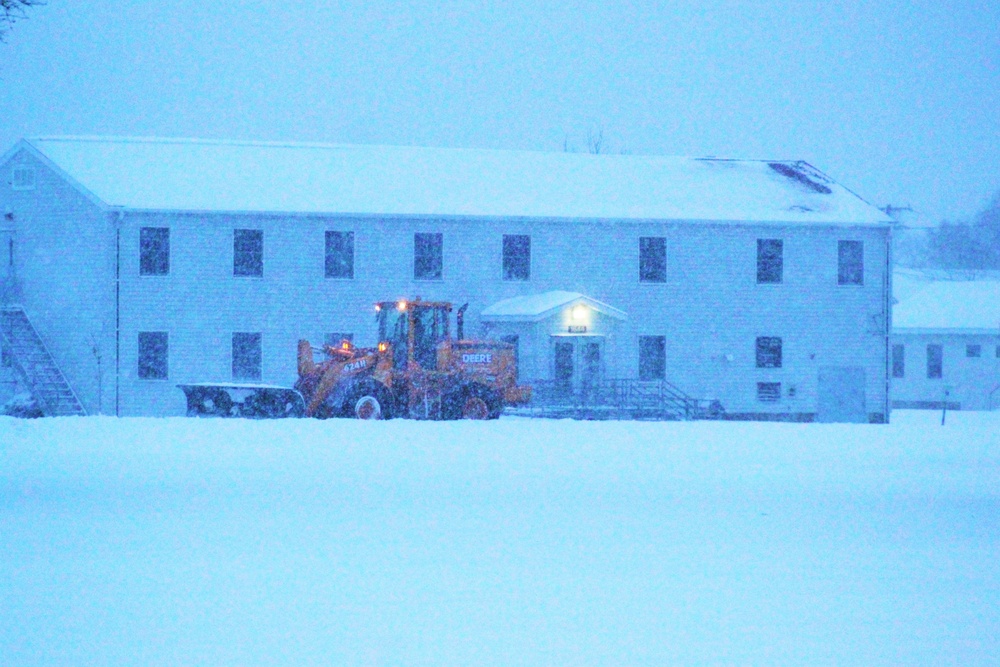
(536, 307)
(972, 306)
(201, 175)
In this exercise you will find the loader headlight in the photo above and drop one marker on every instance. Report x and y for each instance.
(401, 305)
(382, 347)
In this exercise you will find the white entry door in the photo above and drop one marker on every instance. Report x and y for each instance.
(841, 395)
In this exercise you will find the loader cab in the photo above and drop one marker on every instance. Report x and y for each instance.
(415, 329)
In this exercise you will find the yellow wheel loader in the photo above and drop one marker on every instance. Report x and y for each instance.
(416, 371)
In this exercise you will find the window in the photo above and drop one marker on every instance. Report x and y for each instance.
(652, 259)
(153, 355)
(935, 361)
(516, 257)
(514, 340)
(768, 392)
(898, 361)
(246, 356)
(850, 263)
(428, 256)
(768, 352)
(340, 254)
(336, 339)
(248, 252)
(974, 351)
(154, 251)
(6, 356)
(769, 260)
(652, 357)
(22, 178)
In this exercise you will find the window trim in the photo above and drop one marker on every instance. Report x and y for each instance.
(940, 366)
(24, 184)
(354, 253)
(232, 356)
(166, 272)
(248, 275)
(166, 357)
(415, 277)
(503, 259)
(781, 261)
(759, 350)
(898, 360)
(840, 273)
(662, 360)
(644, 281)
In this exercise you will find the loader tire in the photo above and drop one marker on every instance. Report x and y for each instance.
(472, 401)
(368, 401)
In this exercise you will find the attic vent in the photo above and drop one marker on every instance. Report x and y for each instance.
(799, 176)
(23, 178)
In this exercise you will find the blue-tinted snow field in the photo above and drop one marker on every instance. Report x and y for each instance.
(232, 542)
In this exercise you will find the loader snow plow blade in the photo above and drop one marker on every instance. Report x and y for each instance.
(252, 401)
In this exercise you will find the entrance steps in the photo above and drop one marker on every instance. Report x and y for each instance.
(615, 399)
(35, 366)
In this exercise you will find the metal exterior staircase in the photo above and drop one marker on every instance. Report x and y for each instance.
(35, 366)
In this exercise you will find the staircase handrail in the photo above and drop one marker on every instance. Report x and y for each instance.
(45, 349)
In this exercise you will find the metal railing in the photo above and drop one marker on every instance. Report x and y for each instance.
(615, 399)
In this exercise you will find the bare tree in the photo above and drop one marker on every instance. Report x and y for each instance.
(12, 11)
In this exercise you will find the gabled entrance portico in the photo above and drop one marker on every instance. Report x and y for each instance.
(565, 337)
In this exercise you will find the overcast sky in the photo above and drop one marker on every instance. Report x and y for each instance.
(899, 100)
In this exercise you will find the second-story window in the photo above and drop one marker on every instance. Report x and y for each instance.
(248, 252)
(154, 251)
(770, 260)
(652, 259)
(516, 257)
(851, 263)
(339, 254)
(428, 256)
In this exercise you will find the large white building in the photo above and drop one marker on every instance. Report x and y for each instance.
(144, 263)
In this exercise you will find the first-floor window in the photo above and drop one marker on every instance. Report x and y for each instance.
(898, 361)
(652, 357)
(973, 350)
(935, 361)
(768, 392)
(246, 356)
(514, 340)
(768, 352)
(153, 355)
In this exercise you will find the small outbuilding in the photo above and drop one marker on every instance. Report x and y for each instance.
(946, 346)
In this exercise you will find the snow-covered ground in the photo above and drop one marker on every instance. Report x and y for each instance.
(232, 542)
